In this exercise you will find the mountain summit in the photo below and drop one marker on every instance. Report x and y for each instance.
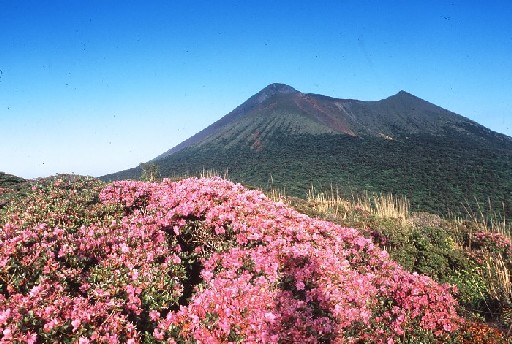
(401, 144)
(274, 89)
(279, 107)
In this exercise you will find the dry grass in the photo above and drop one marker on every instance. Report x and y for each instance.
(277, 195)
(210, 173)
(497, 275)
(495, 269)
(380, 205)
(328, 202)
(494, 223)
(385, 205)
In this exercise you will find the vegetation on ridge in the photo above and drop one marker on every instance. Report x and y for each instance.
(9, 181)
(439, 160)
(438, 175)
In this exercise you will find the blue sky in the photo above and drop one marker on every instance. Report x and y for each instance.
(94, 87)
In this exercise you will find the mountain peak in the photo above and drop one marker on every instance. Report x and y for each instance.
(404, 94)
(272, 90)
(279, 88)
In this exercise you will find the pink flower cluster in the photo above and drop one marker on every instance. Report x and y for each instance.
(290, 277)
(91, 283)
(492, 240)
(267, 274)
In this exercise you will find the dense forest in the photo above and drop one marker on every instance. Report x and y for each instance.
(439, 174)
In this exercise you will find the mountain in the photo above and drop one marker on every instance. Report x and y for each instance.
(9, 180)
(403, 144)
(8, 184)
(241, 111)
(280, 106)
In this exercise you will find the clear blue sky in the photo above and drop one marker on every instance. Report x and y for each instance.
(97, 86)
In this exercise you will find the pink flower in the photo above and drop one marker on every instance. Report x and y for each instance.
(158, 334)
(35, 290)
(75, 323)
(4, 315)
(134, 274)
(31, 338)
(7, 334)
(49, 325)
(154, 315)
(124, 248)
(176, 259)
(269, 316)
(277, 274)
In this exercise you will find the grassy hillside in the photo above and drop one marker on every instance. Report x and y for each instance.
(9, 180)
(444, 163)
(437, 174)
(9, 184)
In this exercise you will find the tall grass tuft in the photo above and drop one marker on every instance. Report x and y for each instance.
(495, 220)
(496, 260)
(277, 195)
(384, 205)
(328, 202)
(211, 172)
(497, 275)
(380, 205)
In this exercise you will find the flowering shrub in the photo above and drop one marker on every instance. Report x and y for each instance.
(481, 333)
(496, 242)
(201, 260)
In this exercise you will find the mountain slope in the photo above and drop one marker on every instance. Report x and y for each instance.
(252, 104)
(402, 144)
(280, 106)
(9, 180)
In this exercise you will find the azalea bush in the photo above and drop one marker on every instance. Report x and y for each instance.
(492, 253)
(200, 260)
